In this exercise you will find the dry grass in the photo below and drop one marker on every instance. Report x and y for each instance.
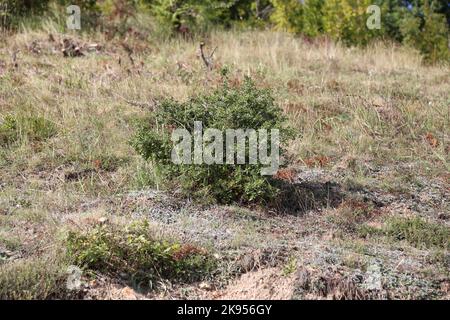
(356, 111)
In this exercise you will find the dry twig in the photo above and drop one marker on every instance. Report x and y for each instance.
(207, 60)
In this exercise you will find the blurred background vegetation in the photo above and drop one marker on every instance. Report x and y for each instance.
(422, 24)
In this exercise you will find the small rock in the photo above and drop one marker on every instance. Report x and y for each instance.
(102, 220)
(303, 279)
(373, 277)
(73, 281)
(445, 287)
(205, 286)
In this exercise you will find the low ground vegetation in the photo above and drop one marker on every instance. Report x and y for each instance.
(367, 174)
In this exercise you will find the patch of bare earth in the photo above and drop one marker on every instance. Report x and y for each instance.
(263, 284)
(113, 292)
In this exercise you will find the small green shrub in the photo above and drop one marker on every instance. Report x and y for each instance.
(19, 128)
(367, 231)
(8, 131)
(134, 252)
(244, 107)
(418, 232)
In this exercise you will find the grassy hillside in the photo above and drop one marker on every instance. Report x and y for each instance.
(365, 213)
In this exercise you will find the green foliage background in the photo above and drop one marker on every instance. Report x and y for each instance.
(422, 24)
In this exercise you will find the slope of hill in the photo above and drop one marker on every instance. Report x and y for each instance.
(368, 209)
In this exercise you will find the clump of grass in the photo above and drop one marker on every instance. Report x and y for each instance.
(351, 214)
(367, 231)
(14, 129)
(439, 257)
(9, 241)
(33, 278)
(135, 253)
(354, 261)
(290, 267)
(418, 232)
